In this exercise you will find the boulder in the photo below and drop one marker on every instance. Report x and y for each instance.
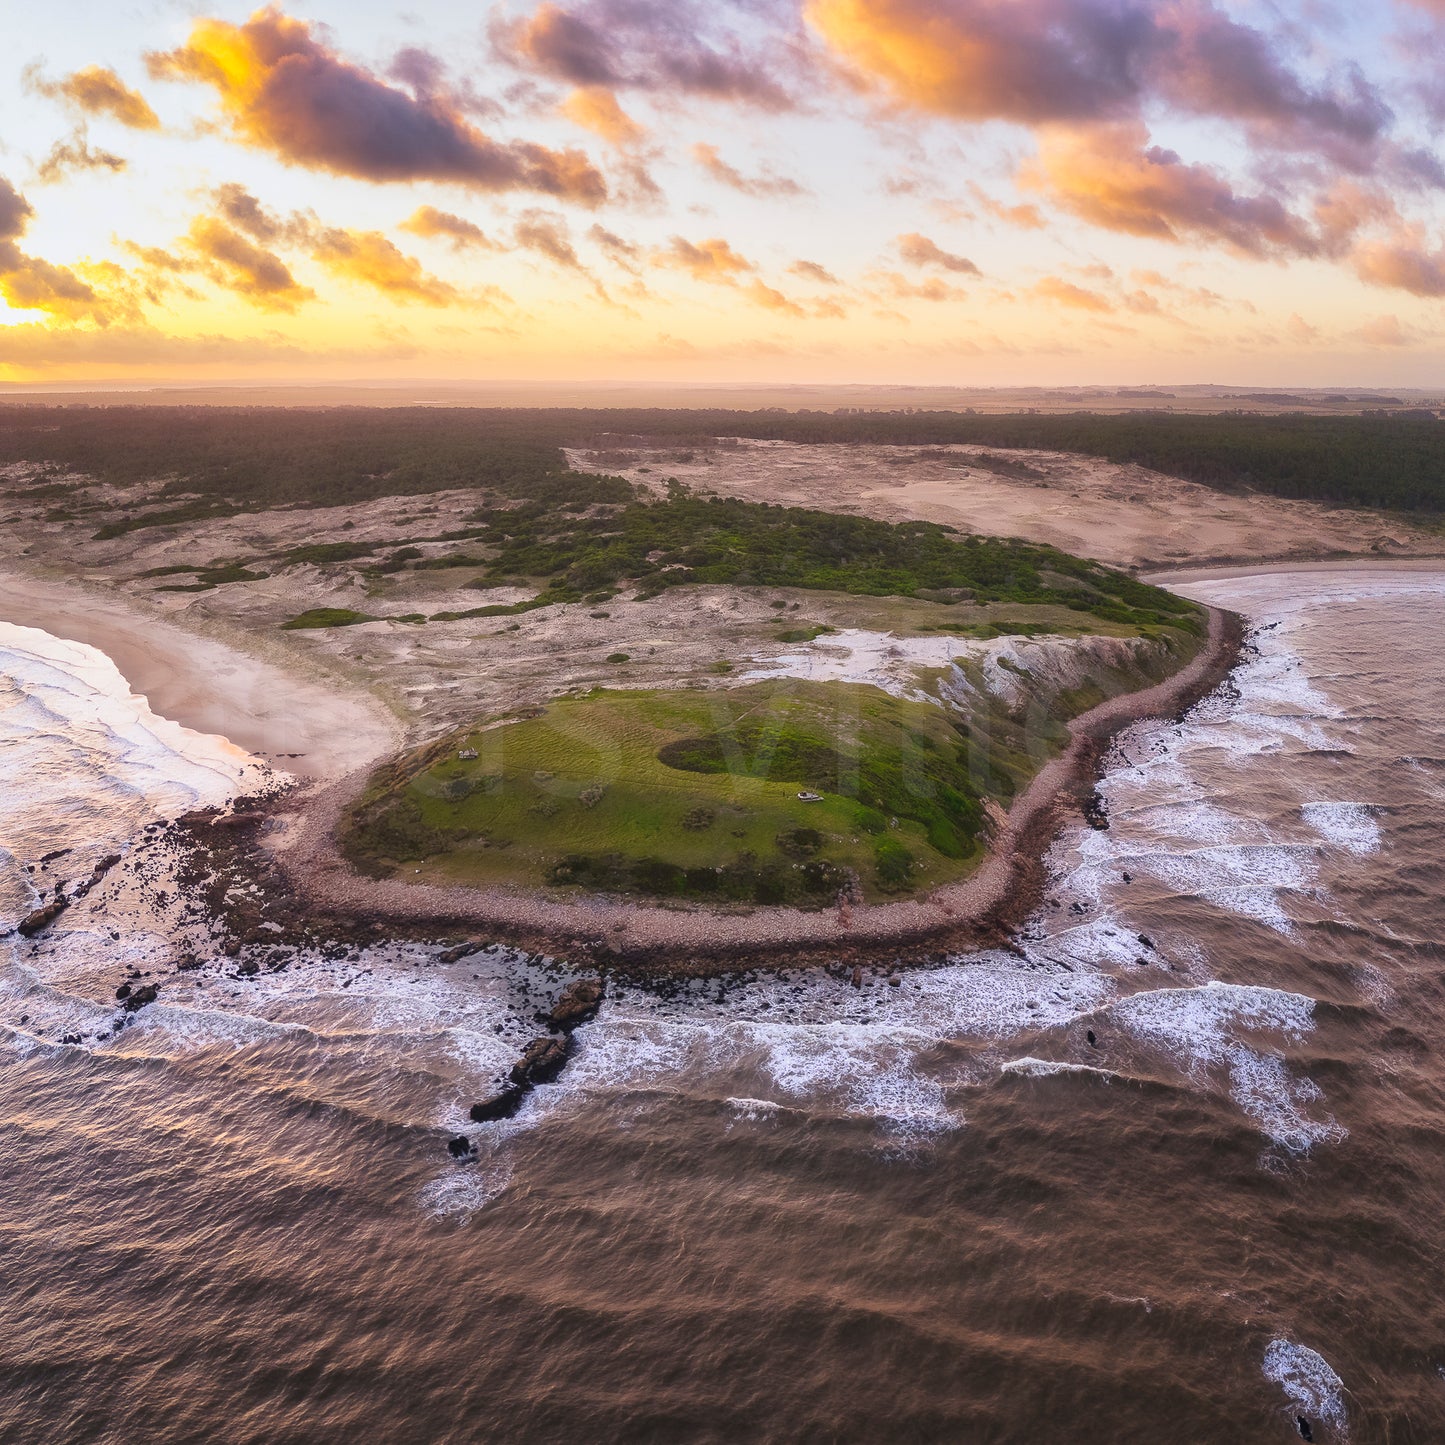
(461, 951)
(500, 1106)
(140, 997)
(577, 1003)
(42, 918)
(542, 1060)
(460, 1147)
(123, 992)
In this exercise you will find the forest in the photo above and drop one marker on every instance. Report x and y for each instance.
(214, 460)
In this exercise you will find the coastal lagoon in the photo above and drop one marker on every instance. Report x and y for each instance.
(1168, 1168)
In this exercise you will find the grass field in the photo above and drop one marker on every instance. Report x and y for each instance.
(695, 795)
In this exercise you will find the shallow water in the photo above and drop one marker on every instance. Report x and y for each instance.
(768, 1209)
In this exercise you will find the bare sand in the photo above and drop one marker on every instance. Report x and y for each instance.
(308, 725)
(1126, 516)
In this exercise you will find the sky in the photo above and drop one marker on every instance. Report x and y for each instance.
(970, 192)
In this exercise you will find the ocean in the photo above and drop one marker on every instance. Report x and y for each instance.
(1170, 1169)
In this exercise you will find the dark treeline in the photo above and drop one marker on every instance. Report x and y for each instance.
(246, 457)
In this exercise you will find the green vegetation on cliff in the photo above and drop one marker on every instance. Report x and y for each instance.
(770, 792)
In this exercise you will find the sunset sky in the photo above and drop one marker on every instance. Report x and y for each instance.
(970, 191)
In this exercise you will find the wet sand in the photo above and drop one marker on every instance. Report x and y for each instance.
(310, 726)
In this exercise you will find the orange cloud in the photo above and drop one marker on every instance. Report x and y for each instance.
(547, 235)
(712, 260)
(29, 283)
(812, 271)
(772, 300)
(371, 259)
(596, 108)
(1405, 263)
(97, 90)
(1111, 177)
(249, 270)
(76, 153)
(1080, 298)
(918, 250)
(284, 92)
(766, 184)
(430, 223)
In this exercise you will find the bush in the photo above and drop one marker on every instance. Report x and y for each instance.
(893, 865)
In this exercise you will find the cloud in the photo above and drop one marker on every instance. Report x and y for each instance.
(370, 259)
(285, 92)
(766, 184)
(29, 283)
(1111, 177)
(772, 300)
(547, 235)
(243, 267)
(430, 223)
(596, 108)
(97, 91)
(1404, 262)
(1025, 217)
(712, 260)
(617, 249)
(238, 206)
(1386, 331)
(75, 155)
(1066, 293)
(669, 46)
(813, 271)
(1042, 62)
(918, 250)
(902, 288)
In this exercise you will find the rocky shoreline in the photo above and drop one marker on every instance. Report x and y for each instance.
(642, 939)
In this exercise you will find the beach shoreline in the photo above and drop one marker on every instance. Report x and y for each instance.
(275, 711)
(311, 727)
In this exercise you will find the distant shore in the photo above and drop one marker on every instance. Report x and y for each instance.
(986, 906)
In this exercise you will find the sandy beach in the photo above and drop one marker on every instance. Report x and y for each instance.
(310, 726)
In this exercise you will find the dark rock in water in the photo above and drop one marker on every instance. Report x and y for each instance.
(1128, 878)
(51, 857)
(500, 1106)
(70, 1039)
(249, 969)
(1096, 812)
(123, 991)
(1305, 1433)
(1146, 940)
(42, 918)
(140, 997)
(461, 951)
(188, 963)
(577, 1003)
(542, 1060)
(238, 820)
(1093, 1042)
(460, 1147)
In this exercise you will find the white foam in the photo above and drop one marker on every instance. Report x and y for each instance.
(1202, 1027)
(1348, 826)
(1032, 1068)
(1310, 1385)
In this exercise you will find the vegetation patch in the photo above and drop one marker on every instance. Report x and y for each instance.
(328, 617)
(774, 792)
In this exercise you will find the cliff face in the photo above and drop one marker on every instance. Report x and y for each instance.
(1061, 675)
